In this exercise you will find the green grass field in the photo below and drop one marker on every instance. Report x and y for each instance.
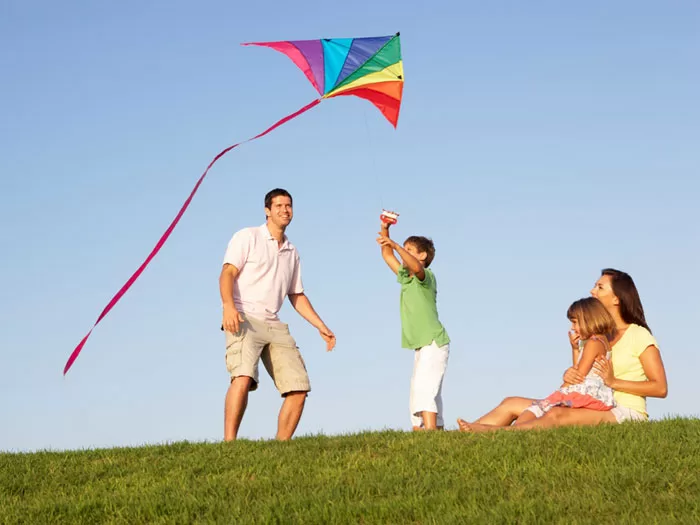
(632, 473)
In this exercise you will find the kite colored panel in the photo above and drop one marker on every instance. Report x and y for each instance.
(361, 51)
(387, 56)
(335, 51)
(386, 96)
(294, 53)
(393, 73)
(313, 52)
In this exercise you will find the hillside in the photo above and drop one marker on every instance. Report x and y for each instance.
(632, 473)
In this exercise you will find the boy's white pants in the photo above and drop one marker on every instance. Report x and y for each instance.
(429, 365)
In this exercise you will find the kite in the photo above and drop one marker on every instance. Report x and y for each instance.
(369, 68)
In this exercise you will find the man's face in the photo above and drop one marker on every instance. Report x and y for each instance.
(280, 212)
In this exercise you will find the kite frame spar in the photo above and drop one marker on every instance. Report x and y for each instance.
(369, 68)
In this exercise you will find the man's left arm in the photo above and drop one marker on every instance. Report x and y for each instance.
(302, 305)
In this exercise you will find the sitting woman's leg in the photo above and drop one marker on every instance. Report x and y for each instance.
(526, 417)
(556, 417)
(505, 413)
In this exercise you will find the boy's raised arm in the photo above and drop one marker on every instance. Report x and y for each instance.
(409, 261)
(388, 248)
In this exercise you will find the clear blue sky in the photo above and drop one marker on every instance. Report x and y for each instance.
(538, 143)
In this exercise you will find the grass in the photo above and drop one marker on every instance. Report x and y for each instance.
(631, 473)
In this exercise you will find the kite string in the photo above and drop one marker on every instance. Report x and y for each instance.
(169, 230)
(373, 156)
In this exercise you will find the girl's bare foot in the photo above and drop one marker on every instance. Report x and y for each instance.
(463, 425)
(478, 427)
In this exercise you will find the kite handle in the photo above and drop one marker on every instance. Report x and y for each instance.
(389, 217)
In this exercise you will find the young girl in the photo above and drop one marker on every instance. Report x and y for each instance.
(595, 327)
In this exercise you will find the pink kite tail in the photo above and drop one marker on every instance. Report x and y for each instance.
(170, 229)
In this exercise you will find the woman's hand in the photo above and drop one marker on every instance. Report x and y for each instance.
(603, 367)
(572, 376)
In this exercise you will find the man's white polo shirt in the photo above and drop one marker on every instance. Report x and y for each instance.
(267, 272)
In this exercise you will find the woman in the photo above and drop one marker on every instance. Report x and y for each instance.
(635, 371)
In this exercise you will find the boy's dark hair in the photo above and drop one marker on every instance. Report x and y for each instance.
(423, 244)
(277, 192)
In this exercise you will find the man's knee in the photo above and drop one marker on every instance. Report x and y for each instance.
(243, 383)
(298, 397)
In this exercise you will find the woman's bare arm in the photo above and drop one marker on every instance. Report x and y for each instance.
(655, 385)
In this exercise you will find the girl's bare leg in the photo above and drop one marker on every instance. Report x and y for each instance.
(525, 417)
(556, 417)
(504, 414)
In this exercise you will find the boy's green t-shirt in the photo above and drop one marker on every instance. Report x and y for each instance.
(420, 324)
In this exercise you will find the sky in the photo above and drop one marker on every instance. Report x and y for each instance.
(538, 143)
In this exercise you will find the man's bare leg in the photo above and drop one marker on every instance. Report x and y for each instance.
(235, 405)
(290, 414)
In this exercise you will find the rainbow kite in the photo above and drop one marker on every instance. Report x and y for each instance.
(369, 68)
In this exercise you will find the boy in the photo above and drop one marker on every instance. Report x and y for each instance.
(421, 329)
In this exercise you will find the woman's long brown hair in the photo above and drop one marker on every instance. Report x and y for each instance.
(631, 309)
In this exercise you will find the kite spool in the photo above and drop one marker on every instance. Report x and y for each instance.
(389, 217)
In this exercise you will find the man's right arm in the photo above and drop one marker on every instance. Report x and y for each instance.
(231, 317)
(234, 261)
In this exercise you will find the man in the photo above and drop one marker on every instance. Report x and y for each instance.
(261, 268)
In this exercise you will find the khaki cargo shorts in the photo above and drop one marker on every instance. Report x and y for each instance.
(271, 341)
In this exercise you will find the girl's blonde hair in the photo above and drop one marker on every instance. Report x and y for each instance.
(592, 317)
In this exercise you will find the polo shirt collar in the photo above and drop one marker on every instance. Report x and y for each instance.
(269, 237)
